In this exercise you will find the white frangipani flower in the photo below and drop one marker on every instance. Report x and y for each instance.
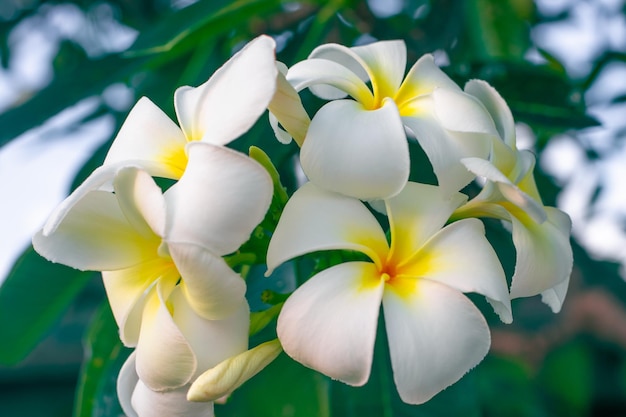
(155, 249)
(358, 147)
(540, 234)
(435, 333)
(216, 112)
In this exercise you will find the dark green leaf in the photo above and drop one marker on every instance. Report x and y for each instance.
(33, 297)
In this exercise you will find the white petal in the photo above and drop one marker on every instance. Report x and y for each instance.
(435, 336)
(424, 77)
(141, 201)
(329, 80)
(126, 382)
(444, 148)
(359, 153)
(329, 323)
(497, 107)
(212, 341)
(316, 220)
(173, 403)
(544, 255)
(230, 193)
(127, 290)
(416, 214)
(460, 257)
(460, 112)
(165, 359)
(95, 235)
(286, 108)
(385, 63)
(213, 290)
(231, 101)
(555, 296)
(149, 135)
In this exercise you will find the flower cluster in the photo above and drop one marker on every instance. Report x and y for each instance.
(416, 248)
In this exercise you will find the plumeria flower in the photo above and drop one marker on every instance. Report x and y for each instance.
(358, 147)
(435, 333)
(155, 248)
(216, 112)
(540, 234)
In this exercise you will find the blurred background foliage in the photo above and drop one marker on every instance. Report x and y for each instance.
(59, 351)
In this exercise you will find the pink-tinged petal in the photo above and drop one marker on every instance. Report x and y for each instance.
(315, 220)
(230, 193)
(356, 152)
(165, 359)
(127, 380)
(231, 101)
(149, 135)
(95, 235)
(329, 323)
(212, 341)
(213, 290)
(416, 214)
(544, 255)
(436, 335)
(127, 290)
(424, 77)
(329, 80)
(460, 257)
(148, 403)
(286, 108)
(141, 201)
(497, 108)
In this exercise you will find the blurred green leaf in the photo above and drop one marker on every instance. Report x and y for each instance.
(103, 359)
(211, 18)
(283, 389)
(32, 298)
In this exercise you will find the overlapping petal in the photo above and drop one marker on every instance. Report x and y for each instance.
(362, 154)
(232, 100)
(422, 79)
(230, 193)
(329, 323)
(316, 219)
(435, 336)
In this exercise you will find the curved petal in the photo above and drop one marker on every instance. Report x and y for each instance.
(444, 148)
(460, 257)
(555, 296)
(329, 80)
(544, 255)
(329, 323)
(230, 193)
(497, 108)
(231, 101)
(424, 77)
(385, 63)
(149, 135)
(316, 220)
(173, 403)
(436, 335)
(165, 359)
(213, 290)
(355, 152)
(212, 341)
(141, 201)
(416, 214)
(127, 380)
(127, 290)
(286, 108)
(460, 112)
(95, 235)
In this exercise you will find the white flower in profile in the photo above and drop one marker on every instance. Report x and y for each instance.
(435, 333)
(540, 234)
(161, 257)
(358, 146)
(216, 112)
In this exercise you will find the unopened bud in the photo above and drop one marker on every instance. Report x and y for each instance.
(233, 372)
